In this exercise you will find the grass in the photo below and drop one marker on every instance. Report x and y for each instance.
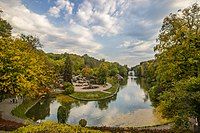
(92, 96)
(65, 99)
(20, 110)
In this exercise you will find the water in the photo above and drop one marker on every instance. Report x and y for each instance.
(130, 107)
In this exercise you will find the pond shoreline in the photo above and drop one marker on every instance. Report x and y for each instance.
(110, 95)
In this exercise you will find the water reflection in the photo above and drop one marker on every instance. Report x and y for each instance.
(40, 111)
(131, 102)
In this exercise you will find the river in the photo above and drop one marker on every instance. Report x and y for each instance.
(130, 107)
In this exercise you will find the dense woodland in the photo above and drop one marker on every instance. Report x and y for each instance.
(26, 70)
(174, 74)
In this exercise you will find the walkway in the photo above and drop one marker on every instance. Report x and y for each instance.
(5, 109)
(101, 88)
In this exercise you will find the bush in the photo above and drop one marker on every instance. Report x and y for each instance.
(52, 127)
(82, 122)
(69, 88)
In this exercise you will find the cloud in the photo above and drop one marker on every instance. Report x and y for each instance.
(101, 17)
(61, 5)
(77, 39)
(118, 30)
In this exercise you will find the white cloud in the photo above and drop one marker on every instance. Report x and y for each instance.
(77, 39)
(61, 4)
(54, 11)
(134, 23)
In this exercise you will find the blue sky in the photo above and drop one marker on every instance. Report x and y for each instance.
(117, 30)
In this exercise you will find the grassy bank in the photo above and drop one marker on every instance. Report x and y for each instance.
(63, 99)
(20, 110)
(94, 96)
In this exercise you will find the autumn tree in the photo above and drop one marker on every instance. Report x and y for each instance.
(178, 66)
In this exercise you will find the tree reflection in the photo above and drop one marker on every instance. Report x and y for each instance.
(103, 104)
(63, 113)
(142, 83)
(40, 110)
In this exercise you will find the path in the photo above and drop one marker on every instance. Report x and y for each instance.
(101, 88)
(5, 109)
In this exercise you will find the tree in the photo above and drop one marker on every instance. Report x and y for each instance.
(33, 41)
(61, 114)
(182, 102)
(23, 71)
(114, 71)
(67, 75)
(177, 66)
(87, 72)
(5, 27)
(102, 73)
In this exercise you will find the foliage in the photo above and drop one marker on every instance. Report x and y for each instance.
(174, 74)
(23, 71)
(87, 72)
(64, 99)
(61, 114)
(182, 102)
(114, 71)
(34, 42)
(67, 72)
(82, 122)
(5, 28)
(90, 61)
(102, 73)
(69, 88)
(52, 127)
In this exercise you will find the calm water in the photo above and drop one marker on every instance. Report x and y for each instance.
(130, 107)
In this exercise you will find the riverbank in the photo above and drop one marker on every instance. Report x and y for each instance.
(20, 111)
(10, 125)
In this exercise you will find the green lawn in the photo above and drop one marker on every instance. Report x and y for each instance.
(91, 96)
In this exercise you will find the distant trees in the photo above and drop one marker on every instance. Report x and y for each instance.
(34, 42)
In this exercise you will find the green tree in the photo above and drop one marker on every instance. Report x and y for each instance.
(177, 66)
(182, 102)
(102, 73)
(5, 27)
(67, 75)
(114, 71)
(33, 41)
(61, 114)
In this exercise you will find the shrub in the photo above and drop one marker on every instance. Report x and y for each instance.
(82, 122)
(52, 127)
(69, 88)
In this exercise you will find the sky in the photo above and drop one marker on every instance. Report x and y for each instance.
(123, 31)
